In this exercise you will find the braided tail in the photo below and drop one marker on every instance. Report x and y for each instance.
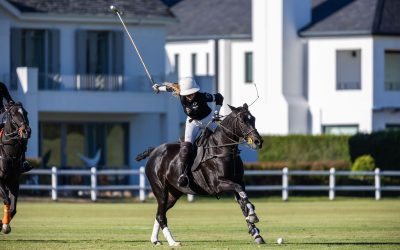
(144, 154)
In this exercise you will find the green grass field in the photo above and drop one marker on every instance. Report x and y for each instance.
(208, 224)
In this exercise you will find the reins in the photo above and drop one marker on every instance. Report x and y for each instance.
(241, 139)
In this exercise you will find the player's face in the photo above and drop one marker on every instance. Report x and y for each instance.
(190, 97)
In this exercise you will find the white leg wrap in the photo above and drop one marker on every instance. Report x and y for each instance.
(154, 234)
(168, 237)
(250, 207)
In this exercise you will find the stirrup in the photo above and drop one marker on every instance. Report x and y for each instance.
(183, 180)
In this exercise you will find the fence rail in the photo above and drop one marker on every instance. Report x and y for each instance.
(285, 187)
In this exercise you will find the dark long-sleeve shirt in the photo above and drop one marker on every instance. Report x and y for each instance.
(197, 108)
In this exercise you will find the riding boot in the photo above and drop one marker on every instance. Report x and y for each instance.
(185, 155)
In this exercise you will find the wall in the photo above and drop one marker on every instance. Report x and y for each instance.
(381, 97)
(344, 107)
(153, 114)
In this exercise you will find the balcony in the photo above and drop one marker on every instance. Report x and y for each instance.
(114, 83)
(392, 86)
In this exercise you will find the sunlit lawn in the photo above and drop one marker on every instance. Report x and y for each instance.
(208, 224)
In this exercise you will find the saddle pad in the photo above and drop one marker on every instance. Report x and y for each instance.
(198, 159)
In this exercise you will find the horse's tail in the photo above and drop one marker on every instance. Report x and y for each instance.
(144, 154)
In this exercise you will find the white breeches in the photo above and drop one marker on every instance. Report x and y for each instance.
(192, 128)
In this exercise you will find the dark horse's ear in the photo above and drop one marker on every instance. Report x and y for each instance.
(232, 108)
(245, 106)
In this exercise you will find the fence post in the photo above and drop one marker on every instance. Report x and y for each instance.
(142, 184)
(377, 184)
(54, 183)
(93, 181)
(285, 184)
(332, 184)
(190, 197)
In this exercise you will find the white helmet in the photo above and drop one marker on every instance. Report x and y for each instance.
(188, 86)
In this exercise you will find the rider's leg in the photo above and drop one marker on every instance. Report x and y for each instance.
(185, 155)
(186, 151)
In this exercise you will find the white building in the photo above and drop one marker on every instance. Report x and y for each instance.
(321, 66)
(74, 69)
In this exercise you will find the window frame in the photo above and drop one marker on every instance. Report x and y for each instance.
(348, 86)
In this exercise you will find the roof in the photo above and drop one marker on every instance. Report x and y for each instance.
(205, 19)
(130, 8)
(353, 17)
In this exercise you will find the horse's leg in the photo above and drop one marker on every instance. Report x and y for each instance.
(225, 185)
(162, 195)
(14, 191)
(247, 207)
(173, 196)
(5, 228)
(253, 230)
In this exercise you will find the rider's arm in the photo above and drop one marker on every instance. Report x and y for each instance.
(219, 99)
(162, 87)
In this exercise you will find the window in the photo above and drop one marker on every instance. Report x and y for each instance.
(176, 66)
(38, 48)
(116, 143)
(392, 70)
(51, 142)
(67, 140)
(248, 71)
(393, 126)
(75, 144)
(194, 66)
(340, 129)
(99, 59)
(348, 69)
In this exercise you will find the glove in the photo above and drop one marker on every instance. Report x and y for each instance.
(216, 116)
(155, 88)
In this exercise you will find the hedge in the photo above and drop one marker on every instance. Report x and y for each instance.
(383, 146)
(296, 149)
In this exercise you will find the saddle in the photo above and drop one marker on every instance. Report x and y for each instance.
(199, 150)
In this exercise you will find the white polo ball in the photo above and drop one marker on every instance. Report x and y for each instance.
(279, 241)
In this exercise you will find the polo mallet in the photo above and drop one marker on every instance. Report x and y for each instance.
(116, 11)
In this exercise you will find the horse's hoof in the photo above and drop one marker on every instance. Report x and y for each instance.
(6, 229)
(157, 243)
(176, 244)
(259, 240)
(252, 218)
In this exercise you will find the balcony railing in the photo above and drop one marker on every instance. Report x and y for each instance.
(96, 82)
(392, 86)
(58, 82)
(348, 85)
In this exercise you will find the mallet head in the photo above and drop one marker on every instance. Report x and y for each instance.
(114, 9)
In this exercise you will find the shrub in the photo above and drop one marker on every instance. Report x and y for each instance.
(364, 163)
(383, 146)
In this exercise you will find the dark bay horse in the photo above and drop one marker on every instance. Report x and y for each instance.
(13, 139)
(219, 171)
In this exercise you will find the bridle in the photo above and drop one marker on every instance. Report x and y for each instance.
(14, 135)
(241, 139)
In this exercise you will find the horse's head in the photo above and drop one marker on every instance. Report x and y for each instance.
(16, 121)
(243, 123)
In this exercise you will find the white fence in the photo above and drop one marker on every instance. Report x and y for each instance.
(285, 187)
(93, 187)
